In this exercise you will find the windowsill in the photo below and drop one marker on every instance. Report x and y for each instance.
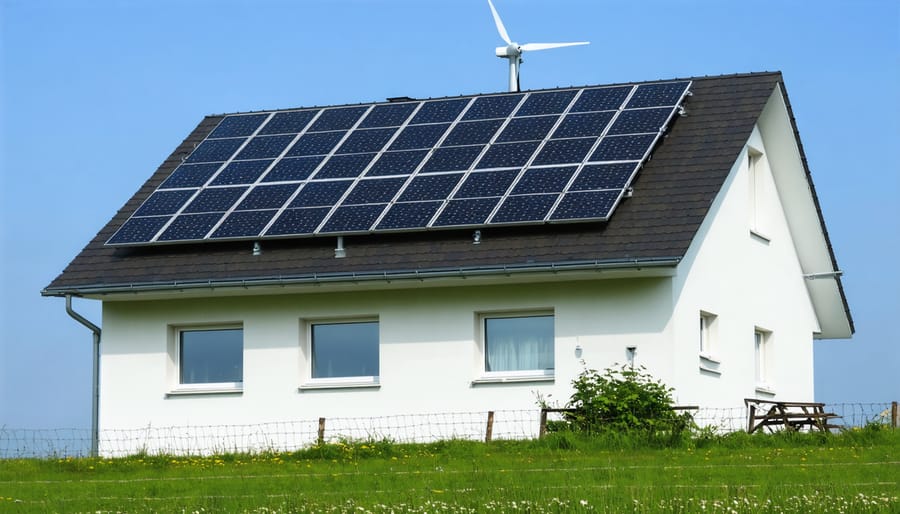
(765, 389)
(707, 369)
(759, 236)
(341, 383)
(709, 358)
(512, 379)
(202, 391)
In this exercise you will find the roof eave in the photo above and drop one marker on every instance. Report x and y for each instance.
(664, 266)
(810, 235)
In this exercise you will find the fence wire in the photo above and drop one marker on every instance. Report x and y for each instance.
(284, 436)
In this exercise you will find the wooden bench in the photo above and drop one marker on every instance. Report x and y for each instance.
(788, 415)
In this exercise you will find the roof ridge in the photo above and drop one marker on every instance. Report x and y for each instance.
(497, 93)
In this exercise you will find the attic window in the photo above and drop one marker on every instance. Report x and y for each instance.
(757, 167)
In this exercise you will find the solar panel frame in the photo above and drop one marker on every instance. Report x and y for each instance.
(294, 165)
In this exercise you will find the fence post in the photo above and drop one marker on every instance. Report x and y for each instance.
(895, 416)
(321, 430)
(542, 431)
(490, 427)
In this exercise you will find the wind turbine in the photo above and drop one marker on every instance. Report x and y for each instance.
(513, 51)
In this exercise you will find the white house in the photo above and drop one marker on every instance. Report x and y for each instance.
(712, 268)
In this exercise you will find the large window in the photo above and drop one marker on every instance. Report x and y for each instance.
(344, 350)
(517, 344)
(211, 356)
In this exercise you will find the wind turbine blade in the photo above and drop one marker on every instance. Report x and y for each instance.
(527, 47)
(500, 28)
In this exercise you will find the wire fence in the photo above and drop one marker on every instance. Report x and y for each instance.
(281, 436)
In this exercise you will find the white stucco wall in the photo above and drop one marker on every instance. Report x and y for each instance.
(429, 350)
(749, 279)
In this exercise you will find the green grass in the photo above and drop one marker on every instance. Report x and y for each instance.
(858, 471)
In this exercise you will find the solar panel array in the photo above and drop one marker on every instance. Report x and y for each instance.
(518, 158)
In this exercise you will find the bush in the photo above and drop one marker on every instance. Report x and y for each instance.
(623, 399)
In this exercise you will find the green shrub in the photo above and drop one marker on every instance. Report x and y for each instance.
(622, 400)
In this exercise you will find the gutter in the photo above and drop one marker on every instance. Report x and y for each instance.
(95, 375)
(354, 277)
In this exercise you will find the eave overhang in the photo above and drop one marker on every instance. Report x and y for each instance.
(778, 129)
(398, 279)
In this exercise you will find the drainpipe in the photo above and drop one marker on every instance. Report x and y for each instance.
(95, 379)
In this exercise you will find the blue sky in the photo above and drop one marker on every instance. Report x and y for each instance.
(96, 94)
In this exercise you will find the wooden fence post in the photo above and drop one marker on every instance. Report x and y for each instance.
(542, 431)
(895, 416)
(490, 427)
(321, 430)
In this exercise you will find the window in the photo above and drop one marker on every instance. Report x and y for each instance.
(211, 357)
(518, 345)
(757, 167)
(707, 336)
(344, 350)
(762, 350)
(753, 174)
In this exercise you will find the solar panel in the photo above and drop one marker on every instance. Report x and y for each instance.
(241, 172)
(288, 122)
(237, 126)
(243, 223)
(563, 155)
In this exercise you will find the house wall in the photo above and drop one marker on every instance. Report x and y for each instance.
(746, 272)
(430, 351)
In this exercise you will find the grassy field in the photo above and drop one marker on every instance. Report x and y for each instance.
(858, 471)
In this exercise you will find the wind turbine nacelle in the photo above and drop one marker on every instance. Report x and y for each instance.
(510, 50)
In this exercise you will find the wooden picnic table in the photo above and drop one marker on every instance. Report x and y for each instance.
(788, 415)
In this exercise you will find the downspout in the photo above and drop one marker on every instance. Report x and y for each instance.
(95, 377)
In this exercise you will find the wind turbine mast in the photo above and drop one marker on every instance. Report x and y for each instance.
(513, 51)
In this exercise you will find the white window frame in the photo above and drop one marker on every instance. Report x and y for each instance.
(763, 359)
(708, 343)
(756, 193)
(536, 375)
(372, 381)
(177, 387)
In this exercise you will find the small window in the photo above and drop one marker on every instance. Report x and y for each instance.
(753, 175)
(211, 357)
(344, 350)
(762, 351)
(518, 344)
(707, 335)
(757, 168)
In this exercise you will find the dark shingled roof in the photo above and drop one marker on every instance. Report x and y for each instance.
(672, 195)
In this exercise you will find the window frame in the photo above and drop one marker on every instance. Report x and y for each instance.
(708, 341)
(527, 375)
(176, 355)
(756, 168)
(311, 382)
(762, 359)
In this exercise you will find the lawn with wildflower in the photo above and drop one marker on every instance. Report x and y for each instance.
(851, 472)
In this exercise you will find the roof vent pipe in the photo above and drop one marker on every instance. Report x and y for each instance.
(339, 252)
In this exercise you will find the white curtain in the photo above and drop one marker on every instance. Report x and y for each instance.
(519, 353)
